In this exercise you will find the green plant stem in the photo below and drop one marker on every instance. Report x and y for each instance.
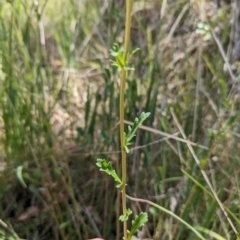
(122, 90)
(127, 28)
(124, 160)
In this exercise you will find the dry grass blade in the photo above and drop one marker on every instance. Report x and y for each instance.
(8, 230)
(203, 172)
(224, 56)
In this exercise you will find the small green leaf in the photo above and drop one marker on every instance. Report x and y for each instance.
(127, 150)
(116, 50)
(20, 177)
(132, 130)
(140, 220)
(114, 64)
(118, 53)
(126, 216)
(133, 52)
(107, 167)
(119, 185)
(129, 69)
(120, 60)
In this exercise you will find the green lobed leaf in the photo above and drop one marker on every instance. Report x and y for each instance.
(132, 130)
(140, 220)
(107, 167)
(125, 217)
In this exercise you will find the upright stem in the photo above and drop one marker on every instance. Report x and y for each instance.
(124, 162)
(127, 28)
(122, 90)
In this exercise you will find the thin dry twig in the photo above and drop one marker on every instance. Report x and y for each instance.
(197, 98)
(177, 22)
(224, 56)
(227, 64)
(171, 136)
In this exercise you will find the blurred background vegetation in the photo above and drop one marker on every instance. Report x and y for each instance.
(59, 99)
